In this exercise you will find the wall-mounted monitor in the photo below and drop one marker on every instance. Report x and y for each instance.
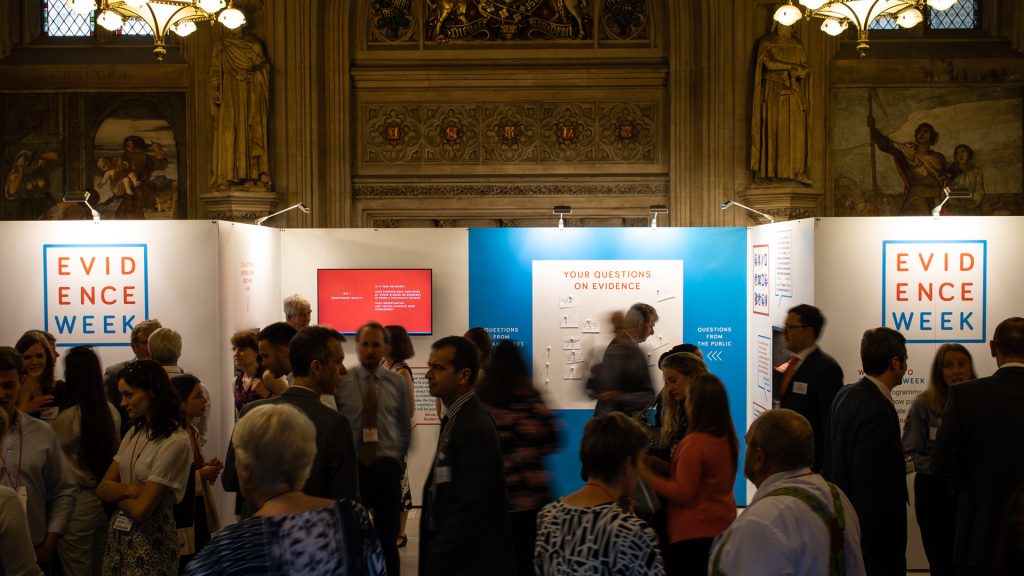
(349, 298)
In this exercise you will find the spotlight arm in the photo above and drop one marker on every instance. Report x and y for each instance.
(728, 203)
(301, 206)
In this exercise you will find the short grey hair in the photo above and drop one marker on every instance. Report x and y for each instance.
(640, 313)
(294, 303)
(165, 346)
(785, 436)
(258, 439)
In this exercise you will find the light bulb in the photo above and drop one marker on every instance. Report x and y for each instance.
(833, 27)
(909, 18)
(110, 20)
(813, 4)
(231, 18)
(184, 28)
(136, 3)
(83, 7)
(941, 4)
(211, 6)
(787, 14)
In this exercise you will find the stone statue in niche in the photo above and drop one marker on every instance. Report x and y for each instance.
(781, 97)
(239, 82)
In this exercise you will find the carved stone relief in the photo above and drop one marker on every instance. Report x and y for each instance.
(451, 134)
(393, 133)
(391, 22)
(568, 132)
(625, 20)
(546, 132)
(627, 132)
(659, 188)
(511, 133)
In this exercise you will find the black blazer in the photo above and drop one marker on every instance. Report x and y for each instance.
(824, 378)
(865, 459)
(471, 533)
(978, 449)
(334, 474)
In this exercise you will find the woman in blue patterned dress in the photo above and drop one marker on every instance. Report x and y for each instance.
(291, 532)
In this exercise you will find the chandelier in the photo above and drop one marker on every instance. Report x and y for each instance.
(178, 16)
(839, 14)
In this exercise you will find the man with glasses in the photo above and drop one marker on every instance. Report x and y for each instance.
(808, 383)
(140, 347)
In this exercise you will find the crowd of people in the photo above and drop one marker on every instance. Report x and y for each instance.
(104, 472)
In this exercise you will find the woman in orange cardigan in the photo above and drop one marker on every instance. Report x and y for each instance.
(699, 492)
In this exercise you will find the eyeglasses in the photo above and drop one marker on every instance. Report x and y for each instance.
(787, 327)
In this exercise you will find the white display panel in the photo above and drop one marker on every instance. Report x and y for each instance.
(573, 301)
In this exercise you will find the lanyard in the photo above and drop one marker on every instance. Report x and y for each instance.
(16, 480)
(134, 459)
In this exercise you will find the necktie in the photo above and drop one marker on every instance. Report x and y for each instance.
(368, 447)
(787, 377)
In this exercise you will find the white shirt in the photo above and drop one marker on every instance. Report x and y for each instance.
(781, 535)
(165, 461)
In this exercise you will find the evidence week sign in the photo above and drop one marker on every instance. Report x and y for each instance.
(95, 293)
(934, 291)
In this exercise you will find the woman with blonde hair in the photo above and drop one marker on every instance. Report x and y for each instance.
(934, 500)
(700, 489)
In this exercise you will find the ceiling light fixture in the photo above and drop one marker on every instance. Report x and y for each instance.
(178, 16)
(839, 14)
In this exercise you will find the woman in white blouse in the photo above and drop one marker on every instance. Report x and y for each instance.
(148, 476)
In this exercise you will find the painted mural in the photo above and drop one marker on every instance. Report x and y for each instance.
(895, 151)
(125, 149)
(136, 169)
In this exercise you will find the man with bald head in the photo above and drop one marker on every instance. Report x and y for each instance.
(788, 526)
(977, 448)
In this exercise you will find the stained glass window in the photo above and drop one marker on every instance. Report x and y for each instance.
(61, 21)
(960, 16)
(134, 27)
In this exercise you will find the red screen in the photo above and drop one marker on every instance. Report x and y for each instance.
(347, 299)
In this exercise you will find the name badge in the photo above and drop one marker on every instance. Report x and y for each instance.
(933, 432)
(443, 475)
(800, 388)
(122, 523)
(23, 498)
(370, 435)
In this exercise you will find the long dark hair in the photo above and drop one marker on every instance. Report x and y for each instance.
(165, 407)
(710, 411)
(507, 379)
(83, 378)
(31, 338)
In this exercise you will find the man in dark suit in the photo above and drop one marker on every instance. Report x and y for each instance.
(316, 357)
(464, 528)
(865, 455)
(811, 378)
(978, 448)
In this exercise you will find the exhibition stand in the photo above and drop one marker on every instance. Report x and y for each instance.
(552, 291)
